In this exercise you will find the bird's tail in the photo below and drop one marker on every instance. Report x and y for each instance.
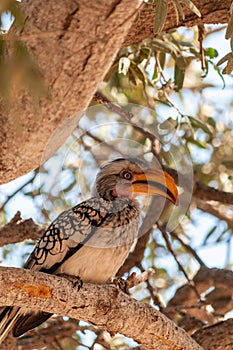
(8, 318)
(16, 320)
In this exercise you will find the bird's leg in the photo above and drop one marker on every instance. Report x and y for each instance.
(121, 283)
(75, 280)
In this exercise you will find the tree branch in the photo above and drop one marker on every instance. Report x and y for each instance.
(18, 230)
(103, 305)
(206, 193)
(213, 12)
(207, 207)
(221, 334)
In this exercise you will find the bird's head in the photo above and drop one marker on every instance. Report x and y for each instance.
(131, 178)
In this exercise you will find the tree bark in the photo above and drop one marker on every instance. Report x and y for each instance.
(74, 44)
(213, 12)
(18, 229)
(221, 334)
(102, 305)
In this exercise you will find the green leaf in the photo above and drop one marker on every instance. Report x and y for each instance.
(184, 43)
(144, 52)
(162, 59)
(160, 15)
(219, 73)
(137, 72)
(178, 77)
(168, 47)
(131, 76)
(194, 52)
(196, 123)
(181, 62)
(179, 8)
(192, 7)
(155, 73)
(211, 122)
(162, 102)
(197, 143)
(211, 52)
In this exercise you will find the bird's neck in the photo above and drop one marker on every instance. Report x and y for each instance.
(120, 205)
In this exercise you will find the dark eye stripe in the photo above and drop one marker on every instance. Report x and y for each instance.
(157, 184)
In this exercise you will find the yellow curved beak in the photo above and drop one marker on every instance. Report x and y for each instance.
(155, 181)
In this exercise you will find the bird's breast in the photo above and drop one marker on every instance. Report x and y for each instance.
(95, 265)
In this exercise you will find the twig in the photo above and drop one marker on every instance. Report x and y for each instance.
(98, 97)
(151, 289)
(133, 280)
(228, 252)
(170, 249)
(35, 172)
(188, 248)
(201, 32)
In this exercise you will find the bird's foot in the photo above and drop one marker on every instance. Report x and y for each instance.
(121, 284)
(75, 280)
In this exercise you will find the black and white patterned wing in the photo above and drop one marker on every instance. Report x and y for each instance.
(64, 237)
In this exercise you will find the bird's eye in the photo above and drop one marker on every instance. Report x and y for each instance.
(127, 175)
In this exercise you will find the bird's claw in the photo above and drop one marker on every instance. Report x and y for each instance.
(75, 280)
(121, 283)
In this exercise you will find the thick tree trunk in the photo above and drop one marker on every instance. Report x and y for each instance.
(74, 42)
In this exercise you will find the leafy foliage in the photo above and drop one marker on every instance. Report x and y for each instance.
(161, 11)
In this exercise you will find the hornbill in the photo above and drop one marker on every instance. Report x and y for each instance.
(93, 239)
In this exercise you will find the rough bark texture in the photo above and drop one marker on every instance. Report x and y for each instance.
(221, 334)
(74, 43)
(213, 12)
(18, 229)
(102, 305)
